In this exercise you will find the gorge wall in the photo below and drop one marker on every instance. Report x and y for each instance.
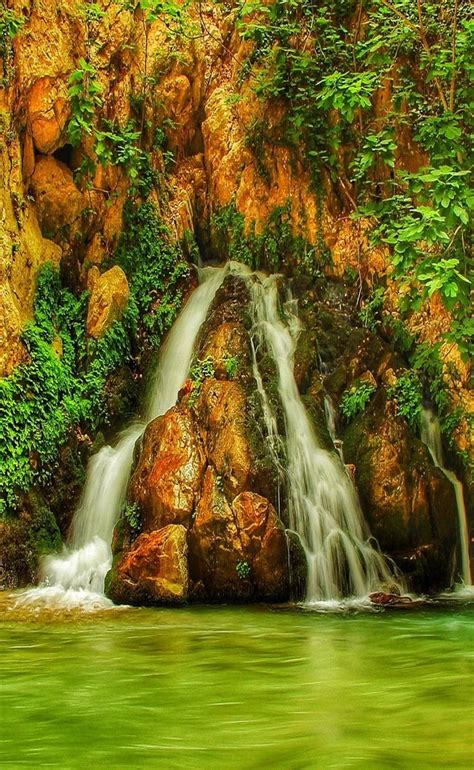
(136, 136)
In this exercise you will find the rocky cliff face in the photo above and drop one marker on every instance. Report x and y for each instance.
(202, 483)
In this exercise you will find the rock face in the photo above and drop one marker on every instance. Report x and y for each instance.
(107, 302)
(48, 111)
(167, 479)
(154, 570)
(237, 551)
(409, 504)
(200, 471)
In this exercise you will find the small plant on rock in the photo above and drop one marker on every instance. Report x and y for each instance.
(408, 394)
(355, 399)
(243, 569)
(133, 516)
(201, 370)
(231, 364)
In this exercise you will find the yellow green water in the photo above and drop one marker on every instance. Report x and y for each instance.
(237, 688)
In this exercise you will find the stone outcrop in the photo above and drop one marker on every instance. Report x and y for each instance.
(48, 112)
(59, 203)
(237, 551)
(154, 570)
(108, 300)
(167, 479)
(409, 504)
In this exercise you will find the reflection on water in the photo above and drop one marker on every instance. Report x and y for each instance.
(237, 688)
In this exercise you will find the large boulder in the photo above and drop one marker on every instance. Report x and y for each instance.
(48, 111)
(167, 478)
(409, 504)
(153, 571)
(59, 203)
(108, 300)
(238, 551)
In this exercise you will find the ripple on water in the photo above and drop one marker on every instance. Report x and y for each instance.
(236, 688)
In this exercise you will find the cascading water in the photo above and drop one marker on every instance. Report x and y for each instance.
(323, 505)
(76, 577)
(431, 436)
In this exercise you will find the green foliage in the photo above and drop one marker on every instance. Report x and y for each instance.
(355, 399)
(92, 12)
(85, 98)
(325, 63)
(201, 370)
(408, 394)
(348, 92)
(43, 533)
(154, 266)
(243, 569)
(231, 364)
(376, 148)
(371, 309)
(133, 515)
(44, 400)
(10, 25)
(269, 249)
(121, 147)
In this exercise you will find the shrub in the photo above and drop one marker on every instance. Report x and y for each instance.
(355, 399)
(408, 394)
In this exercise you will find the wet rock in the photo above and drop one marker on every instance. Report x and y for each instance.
(167, 478)
(408, 502)
(227, 346)
(237, 551)
(221, 409)
(108, 300)
(153, 571)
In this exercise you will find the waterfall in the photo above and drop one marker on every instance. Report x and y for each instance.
(323, 504)
(431, 436)
(76, 577)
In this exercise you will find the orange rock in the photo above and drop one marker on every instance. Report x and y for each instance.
(48, 111)
(408, 502)
(167, 479)
(154, 570)
(108, 299)
(222, 410)
(229, 340)
(238, 551)
(59, 203)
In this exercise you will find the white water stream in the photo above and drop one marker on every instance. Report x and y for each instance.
(431, 436)
(323, 505)
(76, 577)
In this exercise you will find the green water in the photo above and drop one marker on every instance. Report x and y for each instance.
(238, 688)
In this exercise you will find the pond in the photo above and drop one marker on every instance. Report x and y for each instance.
(237, 687)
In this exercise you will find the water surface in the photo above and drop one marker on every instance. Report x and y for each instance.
(237, 688)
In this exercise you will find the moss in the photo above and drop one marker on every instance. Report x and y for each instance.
(91, 383)
(275, 248)
(44, 534)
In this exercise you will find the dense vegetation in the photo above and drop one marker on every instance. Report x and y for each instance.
(62, 388)
(329, 63)
(376, 98)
